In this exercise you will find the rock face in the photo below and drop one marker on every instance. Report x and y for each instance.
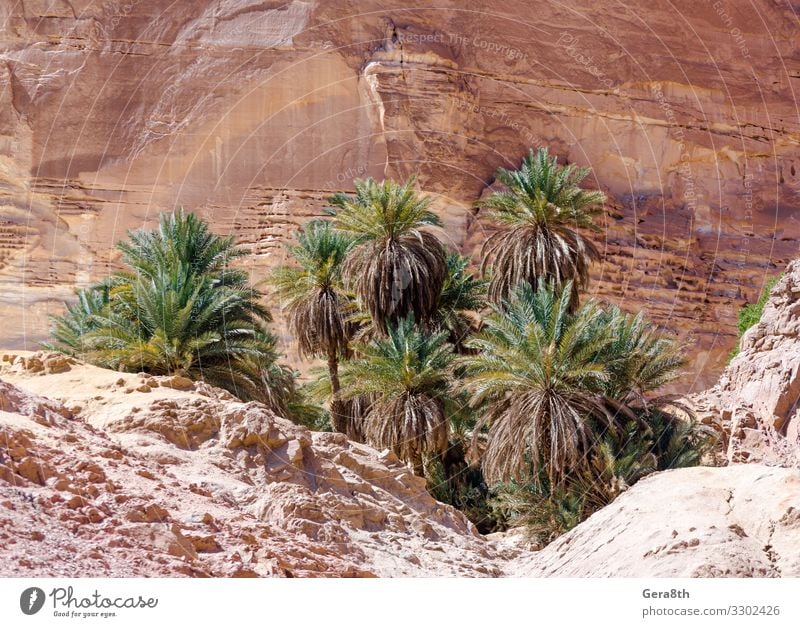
(756, 399)
(252, 112)
(126, 475)
(738, 521)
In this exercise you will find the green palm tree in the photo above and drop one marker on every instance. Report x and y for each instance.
(187, 240)
(640, 358)
(537, 371)
(395, 266)
(407, 378)
(317, 306)
(69, 331)
(540, 213)
(462, 297)
(180, 309)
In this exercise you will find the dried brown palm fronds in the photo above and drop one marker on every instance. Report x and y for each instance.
(541, 214)
(395, 267)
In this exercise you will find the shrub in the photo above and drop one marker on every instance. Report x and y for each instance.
(750, 313)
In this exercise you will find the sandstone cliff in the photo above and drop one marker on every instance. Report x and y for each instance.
(251, 112)
(109, 474)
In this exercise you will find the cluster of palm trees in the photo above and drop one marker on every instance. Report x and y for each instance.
(180, 308)
(501, 380)
(509, 369)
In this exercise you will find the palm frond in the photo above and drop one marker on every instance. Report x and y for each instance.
(541, 214)
(396, 268)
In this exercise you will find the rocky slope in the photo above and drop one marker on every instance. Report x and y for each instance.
(251, 112)
(737, 521)
(134, 476)
(109, 474)
(756, 400)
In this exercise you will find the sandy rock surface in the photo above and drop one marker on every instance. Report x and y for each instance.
(118, 474)
(736, 521)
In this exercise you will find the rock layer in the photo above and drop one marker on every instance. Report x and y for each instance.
(252, 112)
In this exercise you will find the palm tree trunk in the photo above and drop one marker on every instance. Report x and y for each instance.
(338, 414)
(417, 465)
(455, 464)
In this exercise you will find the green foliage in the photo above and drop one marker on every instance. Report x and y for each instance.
(639, 358)
(179, 309)
(750, 314)
(545, 514)
(312, 292)
(406, 377)
(463, 295)
(540, 214)
(561, 387)
(69, 331)
(454, 477)
(395, 267)
(306, 410)
(538, 370)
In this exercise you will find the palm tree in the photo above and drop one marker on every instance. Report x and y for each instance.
(538, 372)
(540, 214)
(407, 377)
(180, 309)
(69, 331)
(462, 297)
(317, 306)
(639, 358)
(395, 266)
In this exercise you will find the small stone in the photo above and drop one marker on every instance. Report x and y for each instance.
(177, 382)
(136, 516)
(205, 544)
(56, 364)
(35, 470)
(94, 515)
(76, 501)
(155, 513)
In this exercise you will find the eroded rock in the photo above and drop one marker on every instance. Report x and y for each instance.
(756, 400)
